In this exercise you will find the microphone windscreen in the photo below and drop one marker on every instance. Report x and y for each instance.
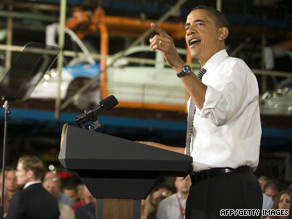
(109, 103)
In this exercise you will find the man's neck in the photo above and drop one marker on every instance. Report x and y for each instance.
(184, 195)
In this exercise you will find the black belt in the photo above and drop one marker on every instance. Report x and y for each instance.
(206, 174)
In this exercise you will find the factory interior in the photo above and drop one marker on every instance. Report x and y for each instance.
(105, 46)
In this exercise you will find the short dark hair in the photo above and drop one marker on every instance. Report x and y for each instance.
(272, 184)
(217, 16)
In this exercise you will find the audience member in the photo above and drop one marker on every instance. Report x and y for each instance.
(282, 201)
(272, 188)
(80, 188)
(70, 189)
(10, 187)
(61, 197)
(53, 186)
(51, 174)
(174, 206)
(33, 201)
(86, 198)
(150, 205)
(88, 210)
(263, 181)
(267, 202)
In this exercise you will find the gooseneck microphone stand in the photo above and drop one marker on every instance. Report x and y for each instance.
(6, 107)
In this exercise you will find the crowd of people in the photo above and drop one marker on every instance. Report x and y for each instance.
(69, 198)
(276, 195)
(31, 192)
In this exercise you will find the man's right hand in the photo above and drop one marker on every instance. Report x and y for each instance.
(164, 43)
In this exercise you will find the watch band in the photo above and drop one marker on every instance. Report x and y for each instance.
(186, 70)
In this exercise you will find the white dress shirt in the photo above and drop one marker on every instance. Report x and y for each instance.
(227, 131)
(169, 207)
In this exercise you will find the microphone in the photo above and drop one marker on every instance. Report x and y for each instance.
(91, 113)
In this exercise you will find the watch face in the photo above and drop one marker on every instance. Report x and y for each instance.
(187, 69)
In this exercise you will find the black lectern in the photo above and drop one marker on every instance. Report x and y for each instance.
(117, 168)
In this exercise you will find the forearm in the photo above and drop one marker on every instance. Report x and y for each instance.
(195, 88)
(165, 147)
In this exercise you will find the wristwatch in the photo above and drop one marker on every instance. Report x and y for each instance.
(186, 70)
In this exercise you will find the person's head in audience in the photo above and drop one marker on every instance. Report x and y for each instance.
(283, 201)
(51, 174)
(263, 181)
(182, 185)
(52, 185)
(10, 184)
(157, 194)
(29, 169)
(70, 189)
(272, 188)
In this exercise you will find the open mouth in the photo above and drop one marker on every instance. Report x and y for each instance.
(194, 42)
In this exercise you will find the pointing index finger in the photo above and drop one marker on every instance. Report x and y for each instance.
(159, 30)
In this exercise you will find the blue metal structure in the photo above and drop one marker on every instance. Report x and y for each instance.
(161, 130)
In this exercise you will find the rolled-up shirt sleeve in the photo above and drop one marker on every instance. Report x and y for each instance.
(227, 130)
(224, 100)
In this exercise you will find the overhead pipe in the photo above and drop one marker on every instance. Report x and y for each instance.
(136, 42)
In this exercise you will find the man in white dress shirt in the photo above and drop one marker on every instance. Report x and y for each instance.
(225, 130)
(174, 206)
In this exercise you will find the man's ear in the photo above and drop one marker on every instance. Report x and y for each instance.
(30, 174)
(222, 33)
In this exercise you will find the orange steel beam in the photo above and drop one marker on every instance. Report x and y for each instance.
(103, 51)
(123, 27)
(96, 21)
(120, 26)
(285, 45)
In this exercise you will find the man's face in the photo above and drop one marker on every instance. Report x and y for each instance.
(52, 186)
(202, 35)
(262, 183)
(183, 184)
(271, 192)
(21, 175)
(11, 181)
(72, 194)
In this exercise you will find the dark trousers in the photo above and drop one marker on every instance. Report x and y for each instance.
(209, 198)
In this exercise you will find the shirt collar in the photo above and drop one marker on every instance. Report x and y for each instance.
(217, 57)
(30, 183)
(180, 196)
